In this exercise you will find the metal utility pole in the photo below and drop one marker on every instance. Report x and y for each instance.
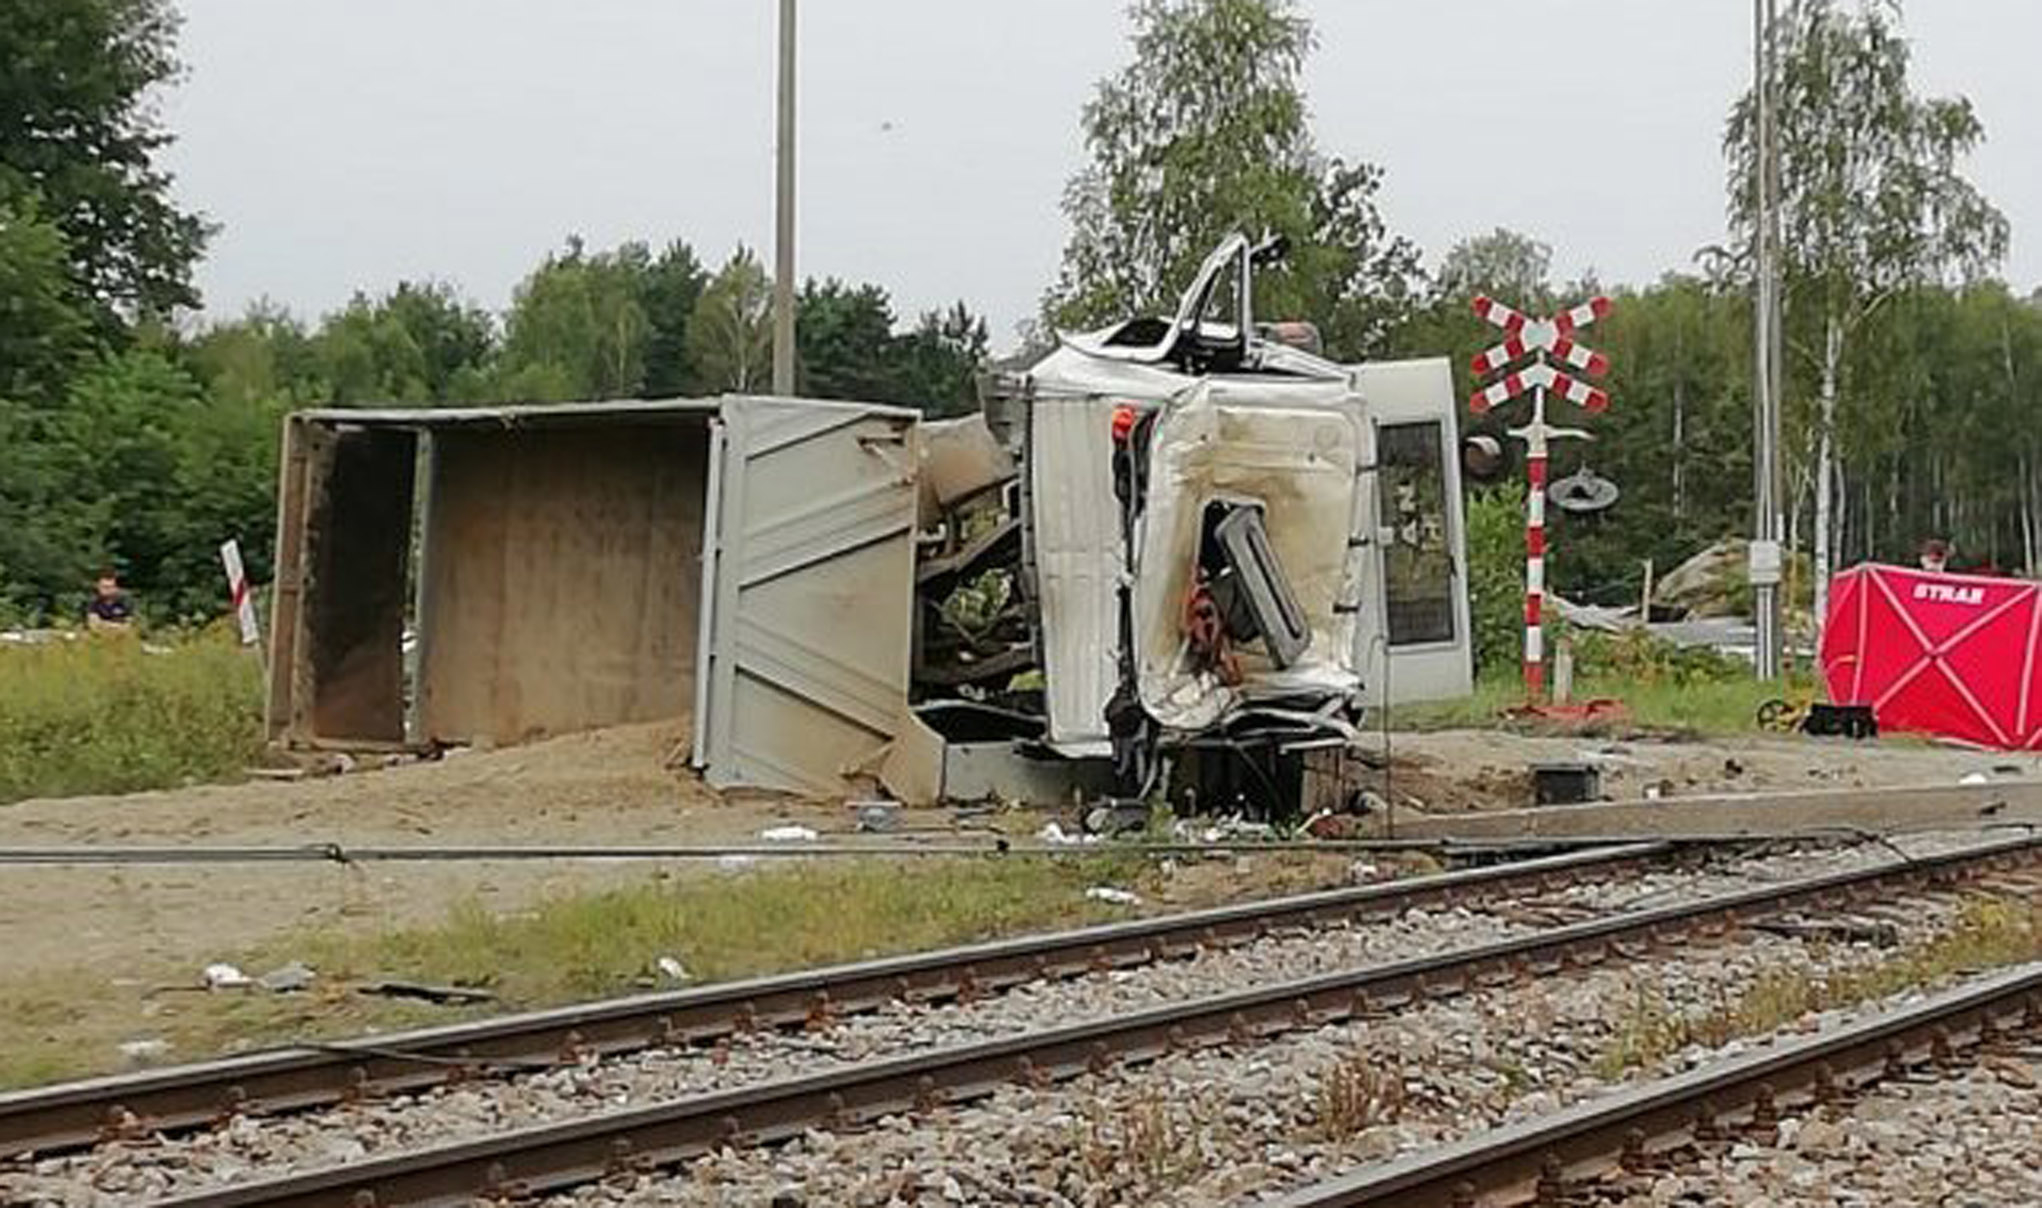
(1767, 528)
(783, 213)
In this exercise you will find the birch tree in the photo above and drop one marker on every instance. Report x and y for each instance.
(1206, 132)
(730, 335)
(1872, 198)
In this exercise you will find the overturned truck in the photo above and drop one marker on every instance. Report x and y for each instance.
(1180, 554)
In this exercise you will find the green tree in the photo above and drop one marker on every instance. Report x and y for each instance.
(577, 328)
(730, 335)
(1207, 132)
(845, 340)
(669, 287)
(80, 137)
(264, 355)
(45, 332)
(1512, 268)
(938, 363)
(419, 343)
(1872, 203)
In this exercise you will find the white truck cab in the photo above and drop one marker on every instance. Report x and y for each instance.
(1227, 538)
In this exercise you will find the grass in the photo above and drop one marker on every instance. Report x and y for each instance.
(1359, 1092)
(574, 947)
(1701, 707)
(1990, 933)
(1144, 1146)
(105, 714)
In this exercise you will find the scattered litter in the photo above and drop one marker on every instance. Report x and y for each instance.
(444, 995)
(734, 861)
(147, 1049)
(788, 834)
(1363, 872)
(1117, 818)
(275, 773)
(1118, 897)
(878, 817)
(288, 979)
(222, 976)
(1052, 833)
(1331, 826)
(1974, 778)
(1221, 830)
(671, 969)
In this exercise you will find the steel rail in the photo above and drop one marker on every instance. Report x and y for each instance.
(552, 1157)
(79, 1114)
(1540, 1160)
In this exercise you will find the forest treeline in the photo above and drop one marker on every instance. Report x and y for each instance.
(135, 437)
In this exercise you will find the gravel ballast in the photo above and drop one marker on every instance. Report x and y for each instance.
(1194, 1125)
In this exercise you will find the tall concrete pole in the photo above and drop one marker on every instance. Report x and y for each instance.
(1766, 349)
(783, 213)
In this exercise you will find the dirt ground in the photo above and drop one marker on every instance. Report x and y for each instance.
(1453, 770)
(610, 787)
(616, 787)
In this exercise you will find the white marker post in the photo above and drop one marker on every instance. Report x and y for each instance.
(237, 590)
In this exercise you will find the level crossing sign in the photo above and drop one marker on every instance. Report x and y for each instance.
(1546, 341)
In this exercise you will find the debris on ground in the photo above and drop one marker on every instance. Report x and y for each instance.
(1117, 897)
(222, 976)
(1231, 828)
(1052, 833)
(789, 834)
(877, 817)
(423, 992)
(145, 1049)
(671, 968)
(1331, 826)
(288, 979)
(1117, 818)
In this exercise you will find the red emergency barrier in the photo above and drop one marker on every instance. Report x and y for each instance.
(1950, 655)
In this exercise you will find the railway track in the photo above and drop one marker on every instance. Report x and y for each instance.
(1566, 1157)
(556, 1156)
(80, 1115)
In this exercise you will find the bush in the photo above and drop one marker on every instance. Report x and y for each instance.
(1635, 656)
(108, 714)
(1496, 576)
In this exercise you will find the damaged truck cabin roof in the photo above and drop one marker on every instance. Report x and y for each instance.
(1165, 536)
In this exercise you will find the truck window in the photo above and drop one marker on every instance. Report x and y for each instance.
(1418, 557)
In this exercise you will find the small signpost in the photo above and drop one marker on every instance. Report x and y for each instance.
(1543, 339)
(237, 590)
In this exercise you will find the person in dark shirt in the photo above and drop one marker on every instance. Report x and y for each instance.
(109, 607)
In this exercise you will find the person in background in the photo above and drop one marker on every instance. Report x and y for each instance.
(109, 607)
(1935, 556)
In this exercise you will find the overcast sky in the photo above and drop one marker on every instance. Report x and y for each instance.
(344, 145)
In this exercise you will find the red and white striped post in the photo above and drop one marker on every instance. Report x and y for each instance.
(238, 592)
(1542, 338)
